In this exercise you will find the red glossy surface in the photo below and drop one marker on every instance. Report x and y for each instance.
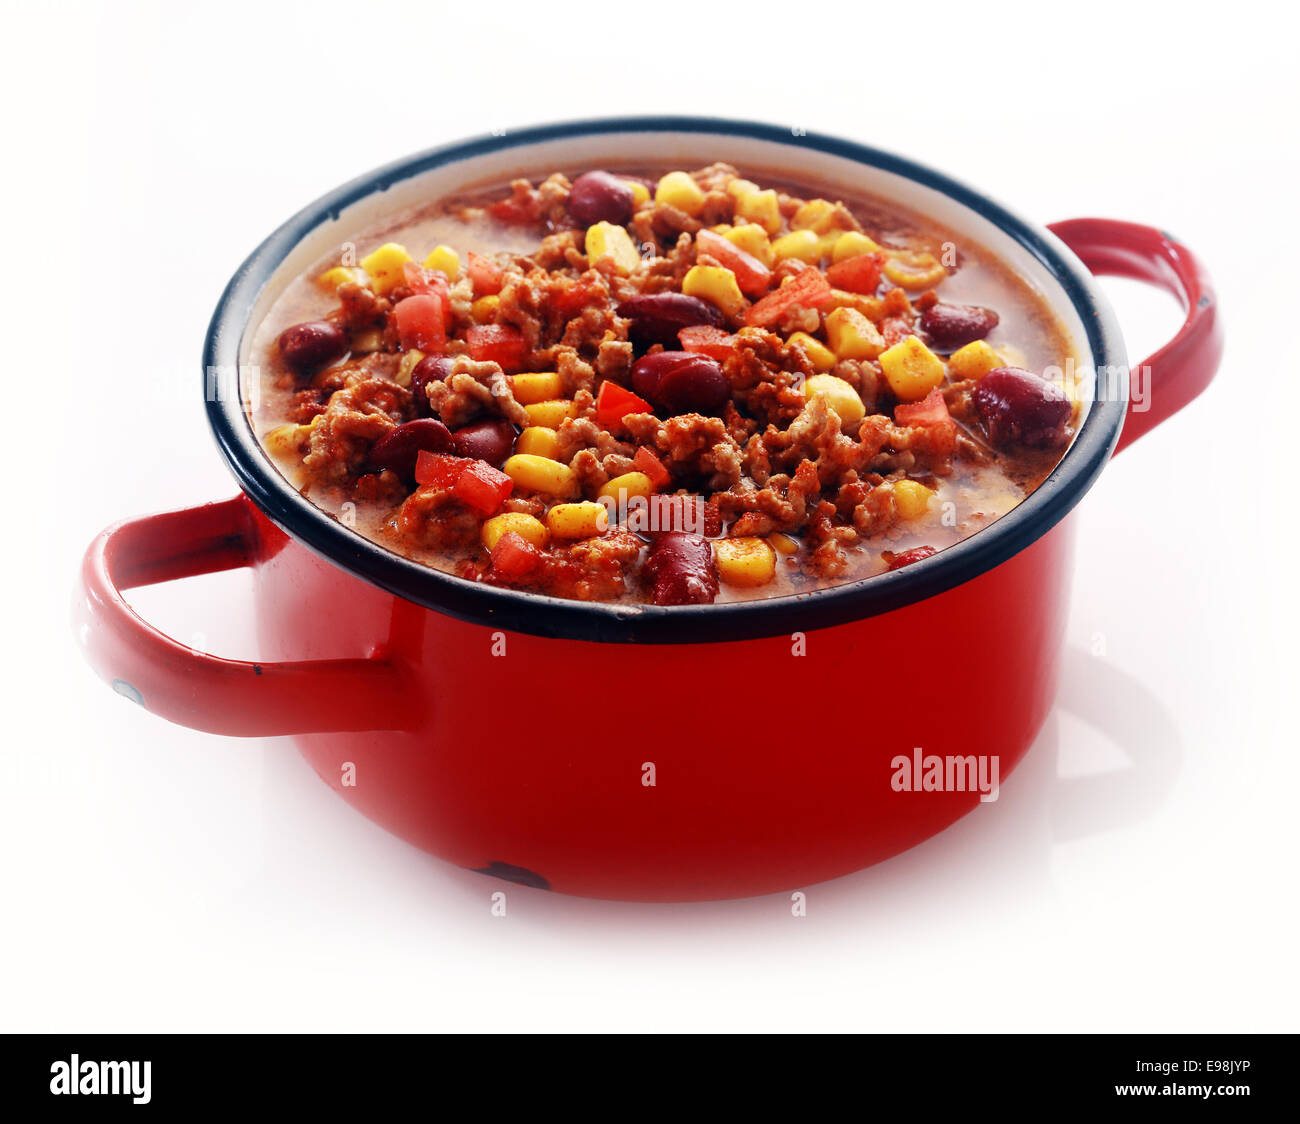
(526, 756)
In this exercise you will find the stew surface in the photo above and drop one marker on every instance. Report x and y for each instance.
(676, 387)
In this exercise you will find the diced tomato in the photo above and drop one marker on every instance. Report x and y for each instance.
(497, 343)
(521, 207)
(481, 487)
(859, 274)
(571, 297)
(614, 403)
(907, 557)
(420, 323)
(705, 340)
(421, 280)
(895, 329)
(645, 461)
(752, 275)
(514, 556)
(806, 289)
(931, 410)
(439, 468)
(485, 274)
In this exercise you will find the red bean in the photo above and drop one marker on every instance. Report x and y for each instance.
(400, 448)
(680, 570)
(658, 317)
(951, 326)
(681, 382)
(432, 368)
(600, 197)
(308, 347)
(492, 441)
(1019, 408)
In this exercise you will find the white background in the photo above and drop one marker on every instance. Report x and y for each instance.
(1138, 872)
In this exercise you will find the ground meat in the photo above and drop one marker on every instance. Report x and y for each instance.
(433, 519)
(471, 389)
(576, 434)
(359, 413)
(692, 447)
(360, 308)
(614, 359)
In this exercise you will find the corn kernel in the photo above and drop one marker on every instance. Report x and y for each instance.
(716, 285)
(838, 395)
(913, 499)
(577, 520)
(852, 244)
(445, 260)
(549, 413)
(677, 189)
(816, 352)
(485, 308)
(341, 275)
(761, 207)
(851, 335)
(751, 238)
(640, 193)
(531, 529)
(536, 387)
(738, 187)
(407, 365)
(817, 215)
(605, 240)
(783, 543)
(873, 308)
(622, 488)
(384, 266)
(539, 441)
(911, 369)
(372, 339)
(827, 242)
(801, 244)
(745, 562)
(541, 474)
(287, 440)
(973, 361)
(910, 270)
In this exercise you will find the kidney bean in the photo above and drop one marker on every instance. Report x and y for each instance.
(399, 448)
(492, 441)
(680, 570)
(1019, 408)
(658, 317)
(681, 382)
(951, 326)
(432, 368)
(308, 347)
(600, 197)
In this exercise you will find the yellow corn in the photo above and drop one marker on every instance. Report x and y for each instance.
(851, 335)
(407, 365)
(801, 244)
(621, 488)
(911, 270)
(751, 238)
(607, 241)
(445, 260)
(973, 361)
(485, 308)
(372, 339)
(816, 352)
(784, 544)
(761, 207)
(913, 499)
(745, 562)
(817, 215)
(287, 440)
(536, 387)
(541, 474)
(384, 266)
(873, 308)
(341, 275)
(533, 530)
(677, 189)
(911, 369)
(549, 413)
(716, 285)
(577, 520)
(838, 395)
(640, 193)
(852, 244)
(539, 441)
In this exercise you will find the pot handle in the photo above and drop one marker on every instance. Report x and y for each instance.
(1163, 384)
(204, 692)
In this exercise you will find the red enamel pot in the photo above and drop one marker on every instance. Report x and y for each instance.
(640, 752)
